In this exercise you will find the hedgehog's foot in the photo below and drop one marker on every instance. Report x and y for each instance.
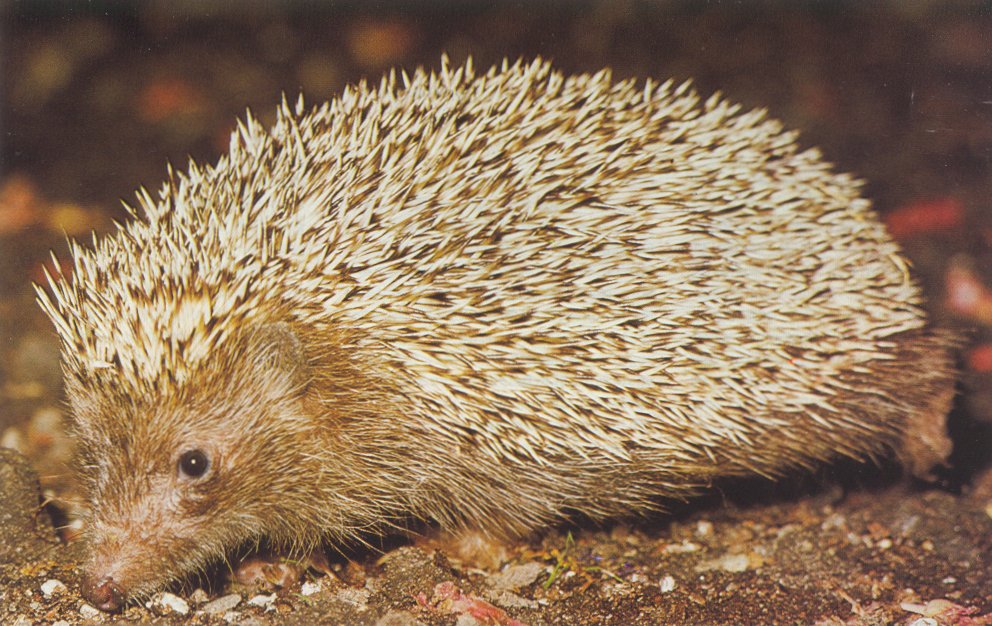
(470, 549)
(276, 570)
(925, 443)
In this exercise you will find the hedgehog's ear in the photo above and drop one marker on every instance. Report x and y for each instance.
(278, 351)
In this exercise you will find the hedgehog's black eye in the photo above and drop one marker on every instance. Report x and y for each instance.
(193, 463)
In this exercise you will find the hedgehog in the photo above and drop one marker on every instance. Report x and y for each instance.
(489, 301)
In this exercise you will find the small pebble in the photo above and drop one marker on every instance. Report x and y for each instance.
(833, 521)
(309, 588)
(199, 596)
(704, 528)
(52, 587)
(515, 576)
(667, 584)
(727, 563)
(924, 621)
(930, 609)
(908, 525)
(61, 622)
(88, 612)
(222, 604)
(262, 600)
(232, 617)
(681, 548)
(356, 597)
(165, 603)
(912, 607)
(509, 600)
(13, 439)
(950, 580)
(938, 607)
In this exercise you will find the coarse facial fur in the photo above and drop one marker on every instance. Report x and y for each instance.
(490, 301)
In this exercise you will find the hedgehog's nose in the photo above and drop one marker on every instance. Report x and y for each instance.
(104, 594)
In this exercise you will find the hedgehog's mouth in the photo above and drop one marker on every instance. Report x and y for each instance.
(126, 565)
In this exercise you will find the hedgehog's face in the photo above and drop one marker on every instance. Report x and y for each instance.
(149, 523)
(177, 481)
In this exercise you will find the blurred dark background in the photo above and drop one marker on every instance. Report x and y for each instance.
(97, 96)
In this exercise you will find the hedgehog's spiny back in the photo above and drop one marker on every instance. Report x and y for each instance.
(633, 262)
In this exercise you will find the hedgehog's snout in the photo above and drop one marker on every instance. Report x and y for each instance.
(103, 593)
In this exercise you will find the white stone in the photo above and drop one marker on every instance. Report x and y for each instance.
(727, 563)
(13, 439)
(681, 548)
(165, 603)
(222, 604)
(309, 588)
(355, 597)
(262, 600)
(52, 587)
(516, 576)
(199, 596)
(510, 600)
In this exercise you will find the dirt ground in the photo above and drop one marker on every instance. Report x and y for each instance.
(97, 97)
